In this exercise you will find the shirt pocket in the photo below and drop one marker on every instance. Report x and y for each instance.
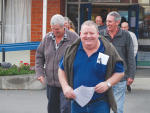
(100, 70)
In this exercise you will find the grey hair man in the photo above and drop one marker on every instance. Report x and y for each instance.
(122, 41)
(49, 52)
(83, 64)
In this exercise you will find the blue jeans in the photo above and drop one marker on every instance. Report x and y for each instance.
(99, 106)
(56, 100)
(119, 93)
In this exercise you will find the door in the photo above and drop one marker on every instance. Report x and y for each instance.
(85, 12)
(133, 17)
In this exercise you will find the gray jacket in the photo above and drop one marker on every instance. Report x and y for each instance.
(124, 46)
(102, 27)
(46, 54)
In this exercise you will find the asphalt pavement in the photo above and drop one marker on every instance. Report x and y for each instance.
(23, 101)
(138, 101)
(27, 101)
(35, 101)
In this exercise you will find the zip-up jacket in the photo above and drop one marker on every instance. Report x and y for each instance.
(46, 54)
(102, 27)
(124, 46)
(114, 57)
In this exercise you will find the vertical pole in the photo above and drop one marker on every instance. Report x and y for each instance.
(44, 18)
(3, 59)
(3, 20)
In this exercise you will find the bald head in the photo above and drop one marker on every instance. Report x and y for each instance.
(98, 20)
(124, 26)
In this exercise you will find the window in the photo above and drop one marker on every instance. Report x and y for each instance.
(144, 22)
(72, 0)
(104, 1)
(72, 14)
(17, 26)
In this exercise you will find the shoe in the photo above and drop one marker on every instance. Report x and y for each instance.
(129, 88)
(6, 64)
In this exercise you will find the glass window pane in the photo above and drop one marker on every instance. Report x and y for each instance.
(144, 48)
(125, 1)
(144, 22)
(85, 16)
(106, 1)
(144, 37)
(85, 0)
(17, 21)
(124, 15)
(72, 0)
(72, 14)
(0, 10)
(142, 1)
(134, 1)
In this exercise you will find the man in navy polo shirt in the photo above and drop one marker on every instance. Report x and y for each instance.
(83, 64)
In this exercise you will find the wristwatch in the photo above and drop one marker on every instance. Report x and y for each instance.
(109, 84)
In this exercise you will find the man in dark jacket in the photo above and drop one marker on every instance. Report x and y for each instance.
(122, 41)
(93, 62)
(49, 52)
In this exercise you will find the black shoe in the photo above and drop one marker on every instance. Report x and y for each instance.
(6, 64)
(129, 88)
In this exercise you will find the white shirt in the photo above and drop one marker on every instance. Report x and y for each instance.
(135, 43)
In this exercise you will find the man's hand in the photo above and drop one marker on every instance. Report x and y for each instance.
(101, 87)
(68, 92)
(41, 79)
(129, 81)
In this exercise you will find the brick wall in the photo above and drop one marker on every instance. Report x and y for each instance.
(53, 7)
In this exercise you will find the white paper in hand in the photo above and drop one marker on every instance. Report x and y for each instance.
(83, 95)
(102, 58)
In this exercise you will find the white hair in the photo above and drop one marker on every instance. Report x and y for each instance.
(57, 19)
(116, 16)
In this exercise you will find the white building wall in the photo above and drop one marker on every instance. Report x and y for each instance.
(15, 57)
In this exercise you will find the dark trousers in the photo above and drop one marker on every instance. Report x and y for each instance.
(56, 100)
